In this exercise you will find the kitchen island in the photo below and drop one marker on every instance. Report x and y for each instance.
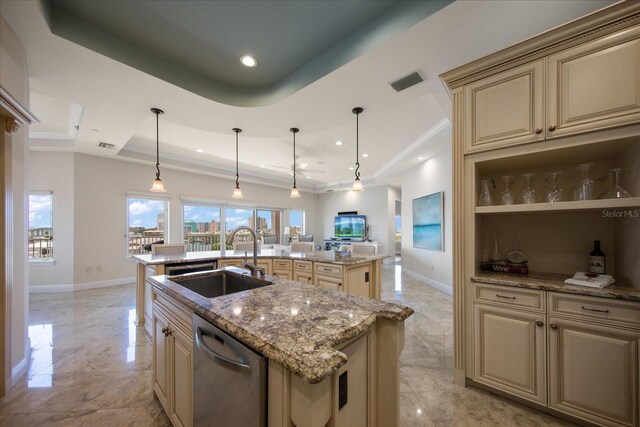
(333, 357)
(356, 275)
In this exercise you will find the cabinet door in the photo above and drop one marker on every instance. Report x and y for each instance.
(266, 264)
(595, 85)
(355, 374)
(593, 371)
(160, 357)
(334, 283)
(283, 274)
(303, 277)
(505, 109)
(509, 351)
(358, 281)
(181, 377)
(233, 262)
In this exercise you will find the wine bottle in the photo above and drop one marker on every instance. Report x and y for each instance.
(596, 259)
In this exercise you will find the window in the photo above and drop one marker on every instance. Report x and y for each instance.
(147, 223)
(398, 228)
(268, 223)
(296, 222)
(235, 217)
(201, 226)
(40, 225)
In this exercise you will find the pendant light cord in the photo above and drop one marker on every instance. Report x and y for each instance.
(294, 159)
(157, 145)
(357, 153)
(237, 175)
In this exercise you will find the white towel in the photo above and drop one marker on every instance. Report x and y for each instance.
(600, 281)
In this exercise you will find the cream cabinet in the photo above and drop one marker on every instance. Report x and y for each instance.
(593, 371)
(303, 272)
(509, 349)
(231, 262)
(594, 85)
(283, 268)
(173, 359)
(358, 280)
(328, 282)
(505, 109)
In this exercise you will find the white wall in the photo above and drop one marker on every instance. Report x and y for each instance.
(430, 176)
(99, 219)
(14, 78)
(373, 202)
(61, 183)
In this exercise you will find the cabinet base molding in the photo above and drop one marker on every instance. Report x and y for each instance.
(539, 407)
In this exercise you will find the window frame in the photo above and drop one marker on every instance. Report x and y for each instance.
(220, 207)
(304, 214)
(40, 260)
(167, 227)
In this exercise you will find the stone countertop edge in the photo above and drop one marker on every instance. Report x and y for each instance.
(312, 365)
(148, 259)
(556, 285)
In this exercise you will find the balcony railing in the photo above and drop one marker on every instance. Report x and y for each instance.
(40, 247)
(199, 242)
(142, 244)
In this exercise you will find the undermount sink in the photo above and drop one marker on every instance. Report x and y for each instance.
(217, 283)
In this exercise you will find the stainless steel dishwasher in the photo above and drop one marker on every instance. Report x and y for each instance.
(229, 380)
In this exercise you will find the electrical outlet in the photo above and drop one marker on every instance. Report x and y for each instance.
(87, 269)
(98, 268)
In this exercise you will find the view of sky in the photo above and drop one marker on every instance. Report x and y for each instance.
(40, 213)
(267, 216)
(197, 213)
(236, 217)
(144, 212)
(296, 218)
(398, 223)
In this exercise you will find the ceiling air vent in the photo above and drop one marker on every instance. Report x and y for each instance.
(106, 145)
(406, 81)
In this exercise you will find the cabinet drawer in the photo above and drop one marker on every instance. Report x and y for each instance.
(328, 269)
(176, 312)
(511, 297)
(282, 264)
(595, 308)
(302, 266)
(328, 282)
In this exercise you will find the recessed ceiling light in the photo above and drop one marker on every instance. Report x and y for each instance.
(248, 61)
(338, 142)
(420, 158)
(365, 155)
(199, 150)
(351, 168)
(262, 166)
(308, 177)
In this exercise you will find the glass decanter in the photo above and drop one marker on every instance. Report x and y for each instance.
(507, 194)
(584, 189)
(529, 194)
(555, 193)
(615, 191)
(486, 199)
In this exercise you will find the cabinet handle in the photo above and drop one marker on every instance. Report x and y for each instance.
(538, 131)
(164, 331)
(552, 128)
(309, 278)
(539, 323)
(504, 296)
(553, 326)
(169, 333)
(340, 284)
(594, 309)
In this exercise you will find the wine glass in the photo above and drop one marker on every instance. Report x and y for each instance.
(507, 194)
(529, 194)
(486, 198)
(615, 191)
(584, 189)
(555, 193)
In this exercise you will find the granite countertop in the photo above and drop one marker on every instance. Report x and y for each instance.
(555, 283)
(318, 256)
(291, 323)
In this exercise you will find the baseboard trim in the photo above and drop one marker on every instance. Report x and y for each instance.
(81, 286)
(433, 283)
(19, 370)
(104, 283)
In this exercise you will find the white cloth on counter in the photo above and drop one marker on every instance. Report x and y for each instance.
(600, 281)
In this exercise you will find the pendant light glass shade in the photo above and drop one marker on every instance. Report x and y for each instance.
(295, 194)
(357, 184)
(237, 192)
(158, 186)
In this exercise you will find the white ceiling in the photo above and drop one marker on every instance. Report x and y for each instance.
(111, 101)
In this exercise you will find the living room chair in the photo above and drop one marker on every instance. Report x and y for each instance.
(301, 246)
(168, 249)
(305, 237)
(364, 248)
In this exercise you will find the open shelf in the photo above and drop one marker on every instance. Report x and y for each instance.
(586, 205)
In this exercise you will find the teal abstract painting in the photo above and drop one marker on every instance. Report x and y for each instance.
(428, 231)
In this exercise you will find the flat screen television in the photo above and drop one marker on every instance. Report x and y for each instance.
(350, 226)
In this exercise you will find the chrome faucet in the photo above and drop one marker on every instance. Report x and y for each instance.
(251, 266)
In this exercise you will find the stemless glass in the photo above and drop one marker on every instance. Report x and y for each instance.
(615, 191)
(486, 199)
(555, 193)
(584, 190)
(507, 194)
(529, 194)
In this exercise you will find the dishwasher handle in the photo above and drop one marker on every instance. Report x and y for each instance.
(213, 355)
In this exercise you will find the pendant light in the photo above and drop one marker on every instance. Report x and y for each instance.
(295, 194)
(237, 193)
(357, 184)
(158, 186)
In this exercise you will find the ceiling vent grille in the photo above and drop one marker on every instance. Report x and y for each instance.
(106, 145)
(406, 81)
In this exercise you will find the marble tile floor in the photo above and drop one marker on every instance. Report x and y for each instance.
(90, 365)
